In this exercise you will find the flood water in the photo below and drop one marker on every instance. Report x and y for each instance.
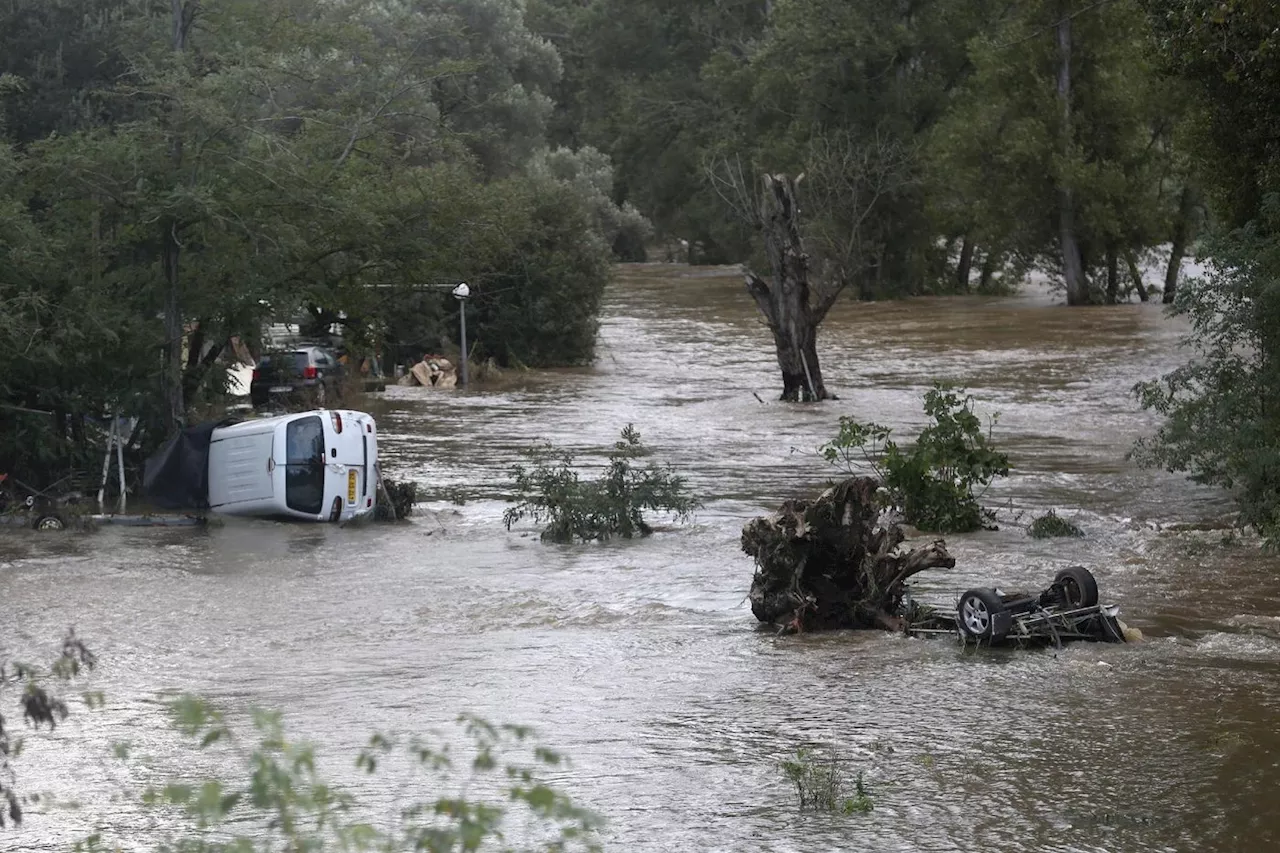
(641, 660)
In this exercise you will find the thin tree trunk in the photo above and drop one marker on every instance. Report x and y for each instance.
(1113, 276)
(176, 408)
(966, 264)
(1181, 234)
(1072, 265)
(171, 252)
(1136, 275)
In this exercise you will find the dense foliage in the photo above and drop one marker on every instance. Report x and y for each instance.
(549, 490)
(943, 145)
(172, 178)
(932, 483)
(1221, 423)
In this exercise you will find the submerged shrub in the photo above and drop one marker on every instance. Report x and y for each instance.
(822, 785)
(932, 483)
(549, 490)
(1051, 526)
(403, 494)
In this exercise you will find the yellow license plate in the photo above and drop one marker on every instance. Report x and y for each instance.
(351, 487)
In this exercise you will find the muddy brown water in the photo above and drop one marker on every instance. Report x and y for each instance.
(641, 660)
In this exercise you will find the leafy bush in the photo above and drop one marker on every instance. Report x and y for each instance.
(549, 490)
(933, 482)
(1051, 525)
(276, 799)
(1221, 426)
(821, 784)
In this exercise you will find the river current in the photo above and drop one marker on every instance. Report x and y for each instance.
(641, 660)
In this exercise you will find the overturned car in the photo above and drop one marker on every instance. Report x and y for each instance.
(836, 562)
(1068, 609)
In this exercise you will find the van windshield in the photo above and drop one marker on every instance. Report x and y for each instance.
(304, 465)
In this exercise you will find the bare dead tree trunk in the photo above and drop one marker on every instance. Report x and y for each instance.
(1136, 275)
(1181, 235)
(965, 265)
(1113, 276)
(787, 302)
(1072, 264)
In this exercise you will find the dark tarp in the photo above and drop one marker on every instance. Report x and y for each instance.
(177, 475)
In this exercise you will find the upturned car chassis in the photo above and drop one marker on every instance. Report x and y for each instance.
(1066, 610)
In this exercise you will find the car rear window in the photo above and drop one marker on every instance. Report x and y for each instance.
(300, 361)
(304, 465)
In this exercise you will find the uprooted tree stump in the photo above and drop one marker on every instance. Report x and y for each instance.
(829, 563)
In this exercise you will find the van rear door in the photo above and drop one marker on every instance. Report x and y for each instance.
(352, 434)
(240, 468)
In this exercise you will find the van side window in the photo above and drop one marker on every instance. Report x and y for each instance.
(304, 465)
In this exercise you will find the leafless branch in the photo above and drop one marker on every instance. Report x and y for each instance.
(729, 180)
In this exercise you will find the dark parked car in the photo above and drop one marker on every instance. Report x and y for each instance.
(311, 374)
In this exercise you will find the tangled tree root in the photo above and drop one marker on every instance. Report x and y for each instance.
(827, 563)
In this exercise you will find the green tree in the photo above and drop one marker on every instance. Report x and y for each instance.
(1221, 425)
(1059, 151)
(175, 177)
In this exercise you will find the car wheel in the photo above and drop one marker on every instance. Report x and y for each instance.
(49, 522)
(1079, 587)
(977, 613)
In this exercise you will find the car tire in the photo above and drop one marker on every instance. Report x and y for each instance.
(1079, 587)
(976, 615)
(49, 522)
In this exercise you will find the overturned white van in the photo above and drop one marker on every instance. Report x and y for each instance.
(312, 466)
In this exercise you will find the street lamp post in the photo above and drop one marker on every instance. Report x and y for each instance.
(461, 292)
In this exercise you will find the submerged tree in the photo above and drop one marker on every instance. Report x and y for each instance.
(791, 305)
(812, 262)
